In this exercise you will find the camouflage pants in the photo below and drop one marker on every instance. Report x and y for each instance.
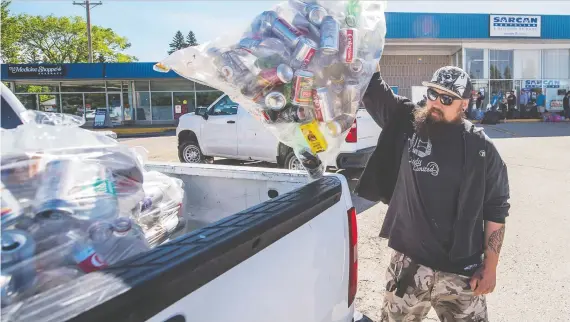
(412, 290)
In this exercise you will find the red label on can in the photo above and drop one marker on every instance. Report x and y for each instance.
(292, 29)
(308, 57)
(349, 45)
(269, 77)
(317, 106)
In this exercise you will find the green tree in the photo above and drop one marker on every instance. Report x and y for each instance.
(64, 40)
(177, 42)
(9, 50)
(508, 73)
(191, 39)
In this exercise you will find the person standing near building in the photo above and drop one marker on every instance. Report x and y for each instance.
(512, 104)
(447, 189)
(566, 105)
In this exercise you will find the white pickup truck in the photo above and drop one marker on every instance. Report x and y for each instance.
(260, 245)
(226, 130)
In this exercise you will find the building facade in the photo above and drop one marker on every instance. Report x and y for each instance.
(527, 54)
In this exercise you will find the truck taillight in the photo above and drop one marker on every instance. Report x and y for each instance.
(352, 136)
(353, 255)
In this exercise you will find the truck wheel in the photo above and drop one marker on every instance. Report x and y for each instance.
(189, 152)
(292, 163)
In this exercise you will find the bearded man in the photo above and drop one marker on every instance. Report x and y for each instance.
(447, 189)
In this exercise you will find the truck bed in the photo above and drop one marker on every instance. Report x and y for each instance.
(280, 259)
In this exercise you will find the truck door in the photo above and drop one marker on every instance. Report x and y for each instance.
(219, 131)
(255, 142)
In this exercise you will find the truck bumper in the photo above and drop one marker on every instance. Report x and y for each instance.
(354, 160)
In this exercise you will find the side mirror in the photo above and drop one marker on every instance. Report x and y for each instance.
(205, 115)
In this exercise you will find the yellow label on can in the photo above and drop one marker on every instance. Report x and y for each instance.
(314, 137)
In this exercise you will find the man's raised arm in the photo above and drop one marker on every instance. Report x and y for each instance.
(381, 103)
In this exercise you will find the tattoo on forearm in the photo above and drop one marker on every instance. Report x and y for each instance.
(496, 240)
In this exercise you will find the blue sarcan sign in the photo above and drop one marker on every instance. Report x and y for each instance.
(541, 83)
(514, 26)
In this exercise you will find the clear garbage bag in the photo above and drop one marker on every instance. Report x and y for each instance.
(301, 69)
(72, 203)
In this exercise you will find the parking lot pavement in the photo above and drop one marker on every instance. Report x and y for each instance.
(534, 271)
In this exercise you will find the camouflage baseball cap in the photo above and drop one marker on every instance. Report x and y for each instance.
(452, 80)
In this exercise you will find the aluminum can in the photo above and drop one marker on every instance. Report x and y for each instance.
(324, 109)
(281, 74)
(294, 114)
(262, 24)
(349, 44)
(304, 53)
(340, 124)
(18, 264)
(275, 101)
(301, 23)
(330, 34)
(351, 96)
(315, 14)
(82, 190)
(302, 90)
(249, 44)
(286, 32)
(356, 67)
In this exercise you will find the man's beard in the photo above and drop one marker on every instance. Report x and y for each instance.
(425, 124)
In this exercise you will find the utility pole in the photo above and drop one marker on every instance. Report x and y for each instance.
(88, 6)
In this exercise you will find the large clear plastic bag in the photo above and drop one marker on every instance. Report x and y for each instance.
(301, 69)
(72, 204)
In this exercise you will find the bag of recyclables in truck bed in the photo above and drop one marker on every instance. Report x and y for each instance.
(75, 201)
(301, 69)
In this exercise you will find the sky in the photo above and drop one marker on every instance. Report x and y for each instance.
(151, 25)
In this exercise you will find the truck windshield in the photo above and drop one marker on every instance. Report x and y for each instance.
(9, 118)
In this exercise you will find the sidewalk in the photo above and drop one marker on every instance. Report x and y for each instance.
(138, 130)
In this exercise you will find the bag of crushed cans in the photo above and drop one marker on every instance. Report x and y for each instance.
(75, 201)
(301, 69)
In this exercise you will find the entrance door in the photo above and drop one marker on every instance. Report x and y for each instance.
(115, 109)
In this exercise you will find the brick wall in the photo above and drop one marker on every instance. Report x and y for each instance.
(407, 71)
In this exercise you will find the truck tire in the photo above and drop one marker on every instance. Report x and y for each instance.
(291, 162)
(190, 152)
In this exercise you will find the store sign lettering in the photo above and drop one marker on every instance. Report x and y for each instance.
(514, 26)
(43, 71)
(542, 83)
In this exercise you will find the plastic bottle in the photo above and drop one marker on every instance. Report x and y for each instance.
(118, 240)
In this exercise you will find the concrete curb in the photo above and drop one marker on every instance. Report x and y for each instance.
(138, 131)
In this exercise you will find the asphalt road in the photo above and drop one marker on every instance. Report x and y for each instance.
(534, 271)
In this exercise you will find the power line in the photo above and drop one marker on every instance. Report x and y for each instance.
(88, 6)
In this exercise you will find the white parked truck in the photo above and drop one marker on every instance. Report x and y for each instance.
(259, 245)
(227, 130)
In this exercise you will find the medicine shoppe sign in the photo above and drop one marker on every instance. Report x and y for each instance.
(514, 26)
(36, 71)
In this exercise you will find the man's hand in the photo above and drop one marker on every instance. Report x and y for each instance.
(484, 280)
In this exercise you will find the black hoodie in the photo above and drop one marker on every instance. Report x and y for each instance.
(484, 190)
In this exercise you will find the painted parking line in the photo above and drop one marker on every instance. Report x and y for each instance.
(498, 129)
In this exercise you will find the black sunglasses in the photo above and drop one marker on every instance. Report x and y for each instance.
(443, 98)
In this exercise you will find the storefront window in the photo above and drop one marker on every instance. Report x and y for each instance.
(501, 64)
(49, 103)
(128, 111)
(205, 99)
(201, 87)
(161, 106)
(115, 107)
(527, 64)
(72, 104)
(556, 63)
(30, 101)
(94, 101)
(141, 86)
(481, 96)
(143, 106)
(171, 85)
(87, 86)
(39, 87)
(554, 94)
(183, 103)
(499, 90)
(475, 63)
(114, 86)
